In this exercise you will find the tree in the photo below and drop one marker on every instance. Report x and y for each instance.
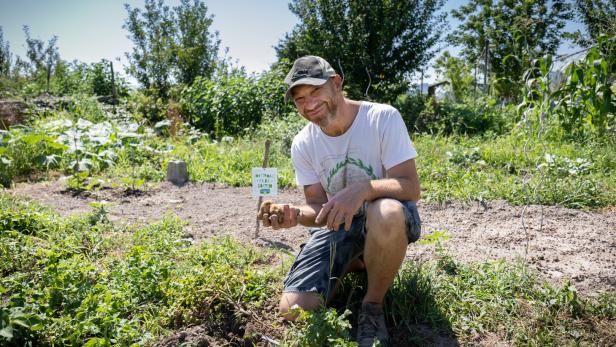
(5, 56)
(151, 61)
(196, 48)
(598, 18)
(457, 72)
(375, 44)
(514, 31)
(170, 45)
(44, 59)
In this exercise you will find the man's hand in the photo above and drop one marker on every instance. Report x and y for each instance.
(278, 216)
(342, 207)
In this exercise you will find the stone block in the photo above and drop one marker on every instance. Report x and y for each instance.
(177, 172)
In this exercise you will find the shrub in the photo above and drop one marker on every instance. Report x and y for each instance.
(469, 117)
(226, 106)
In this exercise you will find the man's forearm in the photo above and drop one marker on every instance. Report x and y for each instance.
(396, 188)
(308, 213)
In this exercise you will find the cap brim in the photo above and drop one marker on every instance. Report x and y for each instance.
(304, 81)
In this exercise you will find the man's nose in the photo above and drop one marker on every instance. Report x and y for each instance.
(311, 103)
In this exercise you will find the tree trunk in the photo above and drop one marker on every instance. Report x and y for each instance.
(114, 95)
(48, 77)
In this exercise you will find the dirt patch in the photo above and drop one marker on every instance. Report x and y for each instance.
(559, 243)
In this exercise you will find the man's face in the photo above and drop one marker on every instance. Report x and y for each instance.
(317, 104)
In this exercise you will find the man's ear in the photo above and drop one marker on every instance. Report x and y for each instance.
(337, 82)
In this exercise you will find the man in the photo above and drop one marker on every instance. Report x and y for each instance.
(355, 161)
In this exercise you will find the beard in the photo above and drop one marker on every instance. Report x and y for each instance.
(329, 115)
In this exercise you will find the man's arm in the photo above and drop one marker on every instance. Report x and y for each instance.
(315, 198)
(401, 183)
(293, 215)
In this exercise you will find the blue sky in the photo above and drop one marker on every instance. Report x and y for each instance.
(89, 30)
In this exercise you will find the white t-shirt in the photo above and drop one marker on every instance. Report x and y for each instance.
(376, 141)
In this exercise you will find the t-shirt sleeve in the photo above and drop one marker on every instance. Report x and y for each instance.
(304, 172)
(396, 145)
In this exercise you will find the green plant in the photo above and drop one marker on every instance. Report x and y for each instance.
(586, 103)
(324, 327)
(229, 105)
(84, 280)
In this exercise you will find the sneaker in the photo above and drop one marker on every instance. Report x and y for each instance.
(371, 326)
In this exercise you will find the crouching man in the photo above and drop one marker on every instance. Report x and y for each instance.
(356, 163)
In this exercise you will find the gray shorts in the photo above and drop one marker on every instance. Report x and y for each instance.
(322, 260)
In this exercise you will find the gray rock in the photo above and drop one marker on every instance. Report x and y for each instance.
(177, 172)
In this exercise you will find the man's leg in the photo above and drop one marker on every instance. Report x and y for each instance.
(308, 301)
(319, 267)
(385, 249)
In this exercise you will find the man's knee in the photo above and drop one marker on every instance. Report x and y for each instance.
(307, 301)
(385, 219)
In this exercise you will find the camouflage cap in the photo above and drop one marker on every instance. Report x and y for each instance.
(311, 70)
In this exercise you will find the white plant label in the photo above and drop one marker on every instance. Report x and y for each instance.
(264, 181)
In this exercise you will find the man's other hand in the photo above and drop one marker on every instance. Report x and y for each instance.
(342, 207)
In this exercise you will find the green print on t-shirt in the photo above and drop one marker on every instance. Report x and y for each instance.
(348, 160)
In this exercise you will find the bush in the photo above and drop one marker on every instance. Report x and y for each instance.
(234, 102)
(226, 106)
(469, 117)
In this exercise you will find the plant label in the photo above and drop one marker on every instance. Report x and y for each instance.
(264, 181)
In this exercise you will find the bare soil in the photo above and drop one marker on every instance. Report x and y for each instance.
(557, 243)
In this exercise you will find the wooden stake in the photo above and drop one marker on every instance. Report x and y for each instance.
(265, 160)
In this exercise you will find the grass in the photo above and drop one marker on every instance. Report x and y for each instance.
(450, 168)
(85, 280)
(511, 167)
(517, 170)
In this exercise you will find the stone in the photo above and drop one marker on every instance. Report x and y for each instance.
(177, 172)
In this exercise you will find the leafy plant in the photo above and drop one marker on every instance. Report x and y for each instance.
(228, 105)
(324, 327)
(586, 103)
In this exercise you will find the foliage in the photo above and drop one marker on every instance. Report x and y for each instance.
(583, 108)
(515, 32)
(229, 162)
(100, 80)
(324, 327)
(587, 103)
(84, 279)
(226, 106)
(233, 102)
(375, 45)
(518, 168)
(456, 72)
(281, 130)
(42, 57)
(170, 42)
(196, 48)
(598, 19)
(271, 89)
(5, 56)
(471, 116)
(152, 33)
(72, 146)
(468, 301)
